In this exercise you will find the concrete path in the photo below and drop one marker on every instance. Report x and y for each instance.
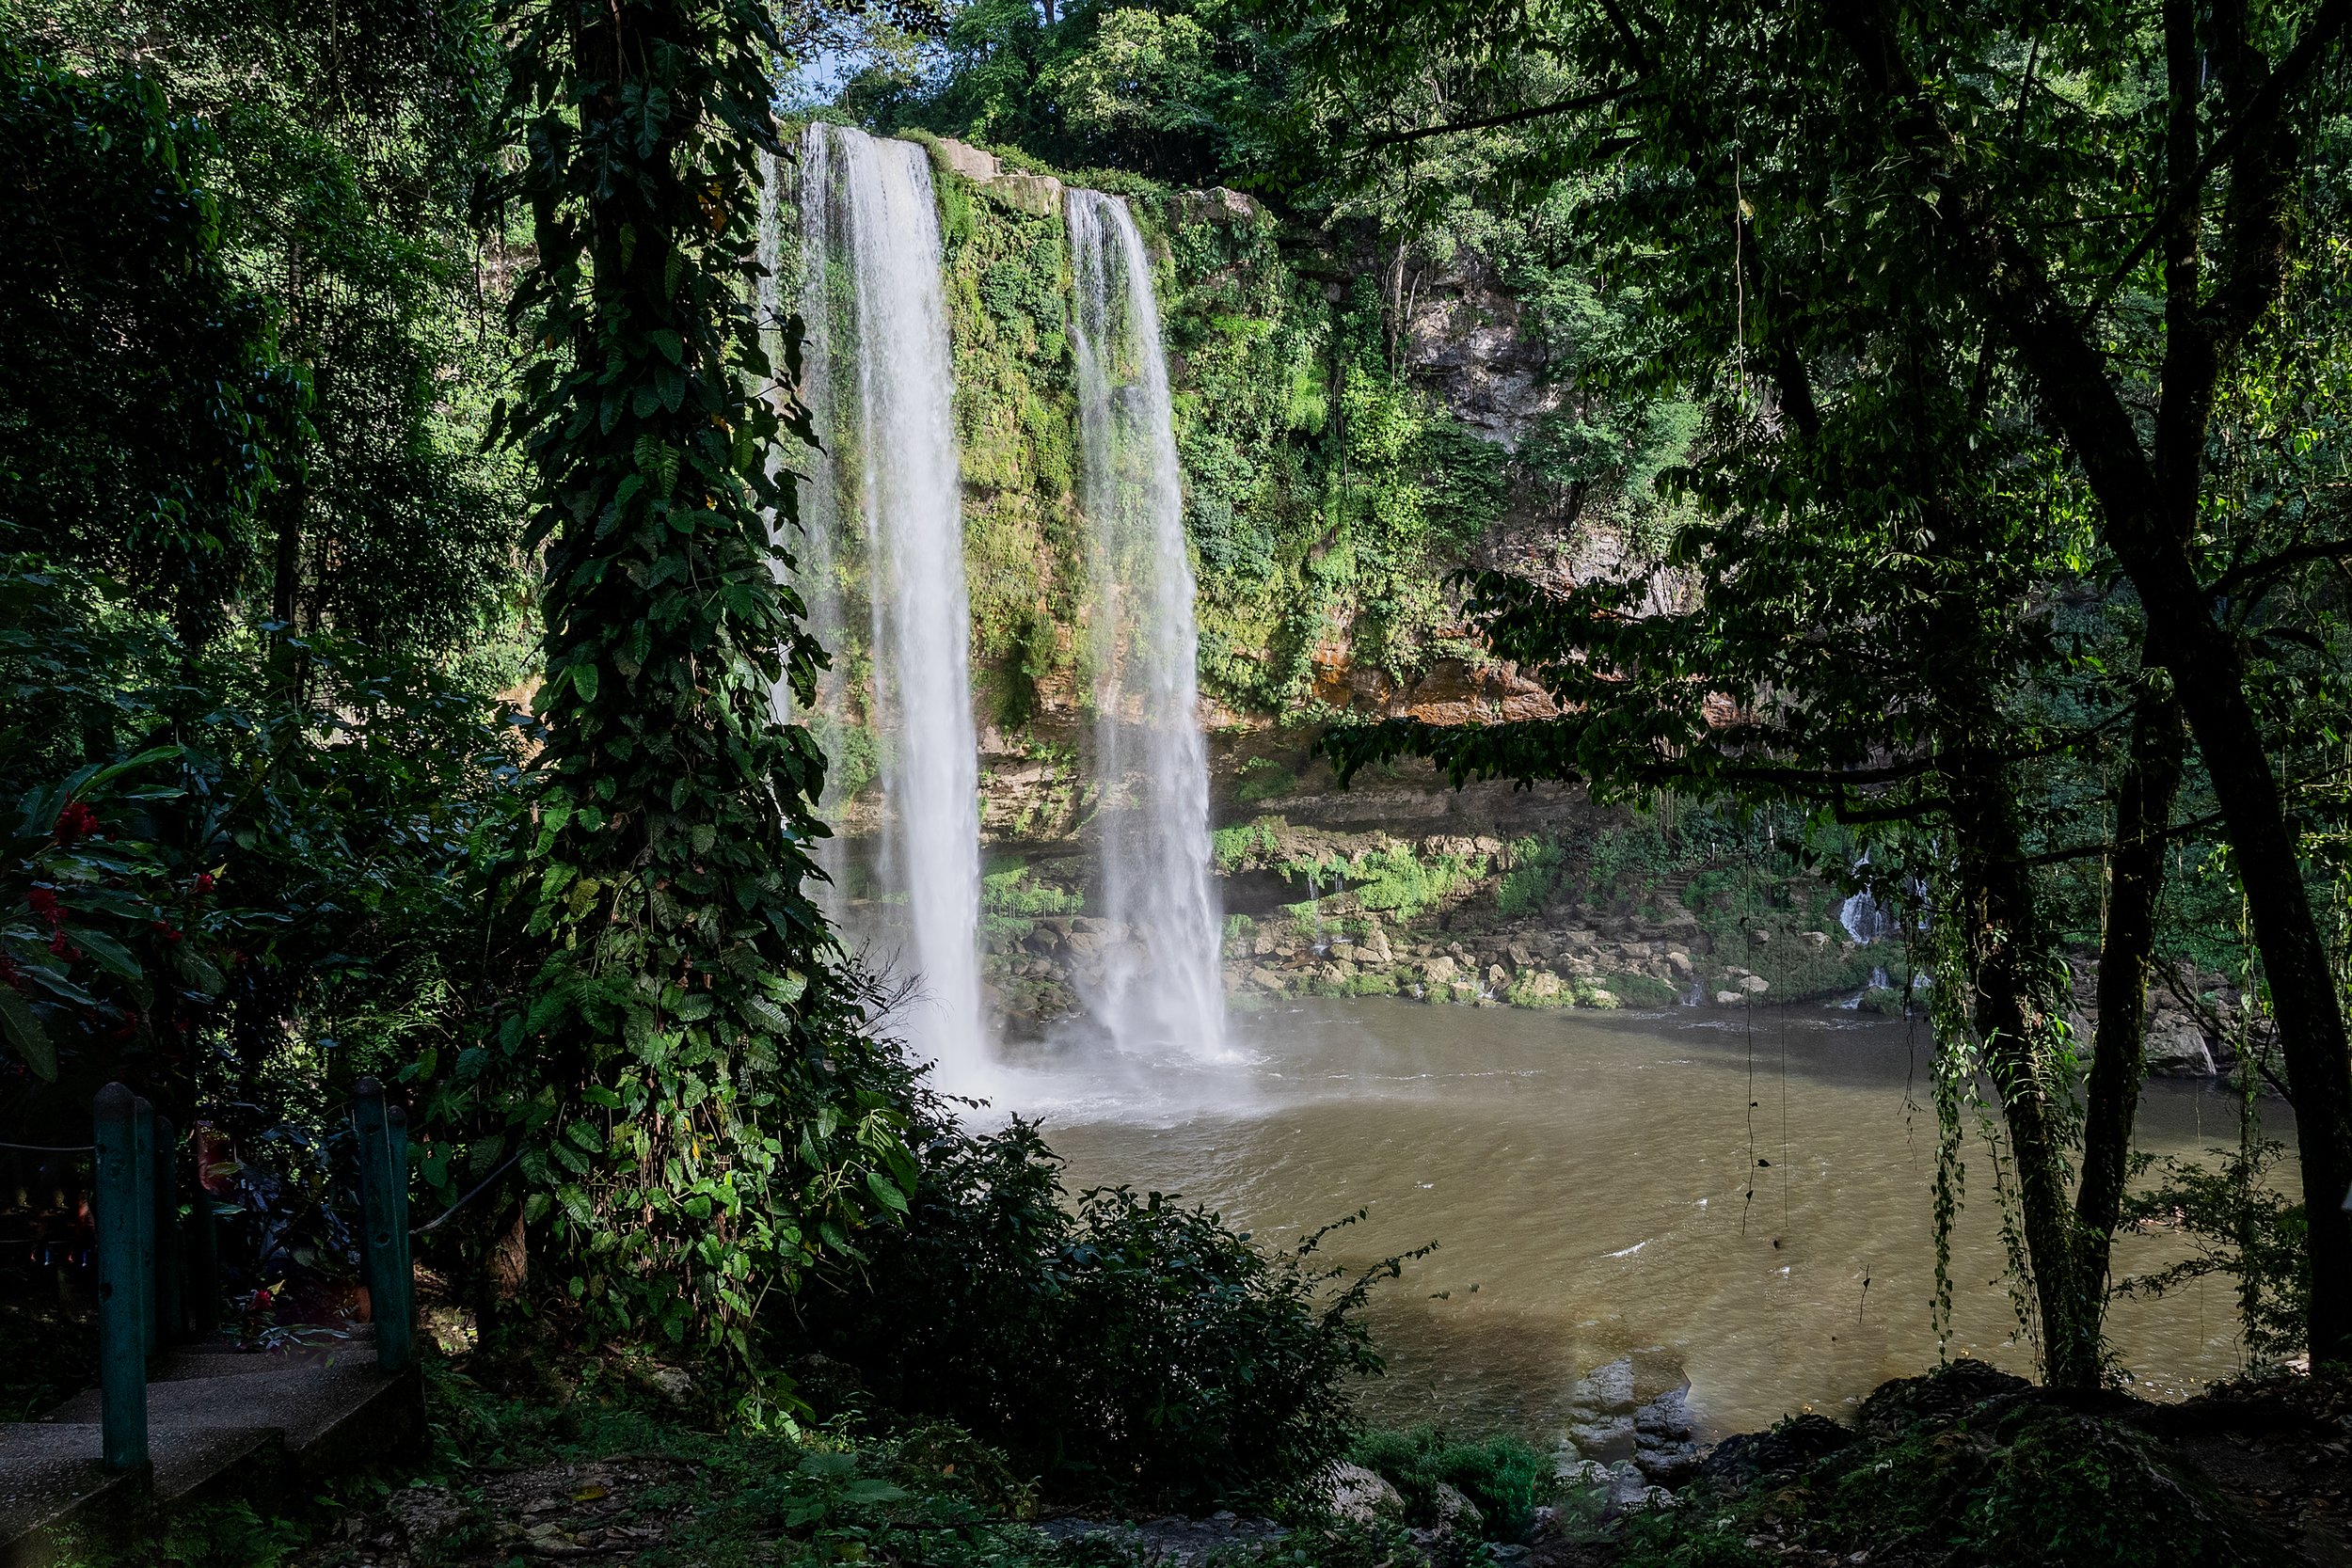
(220, 1422)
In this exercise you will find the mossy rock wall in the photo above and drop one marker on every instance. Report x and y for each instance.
(1326, 495)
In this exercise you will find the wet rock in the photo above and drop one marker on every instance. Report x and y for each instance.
(1601, 1411)
(1729, 998)
(673, 1385)
(1362, 1496)
(1663, 1450)
(1455, 1511)
(967, 160)
(1754, 985)
(1582, 1474)
(2176, 1048)
(1628, 1492)
(1937, 1397)
(1216, 205)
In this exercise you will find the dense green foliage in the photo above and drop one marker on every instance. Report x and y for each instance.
(1502, 1477)
(1124, 1346)
(1326, 495)
(141, 392)
(1939, 574)
(269, 833)
(701, 1120)
(1729, 349)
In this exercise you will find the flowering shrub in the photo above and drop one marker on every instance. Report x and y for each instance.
(94, 914)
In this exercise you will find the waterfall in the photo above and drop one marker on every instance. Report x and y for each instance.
(816, 574)
(1160, 984)
(878, 380)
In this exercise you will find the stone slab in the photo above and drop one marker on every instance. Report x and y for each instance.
(214, 1416)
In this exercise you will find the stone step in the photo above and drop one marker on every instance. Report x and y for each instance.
(251, 1422)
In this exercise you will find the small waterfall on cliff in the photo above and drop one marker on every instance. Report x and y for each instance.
(878, 380)
(1160, 985)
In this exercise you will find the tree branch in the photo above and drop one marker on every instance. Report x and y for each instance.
(2260, 112)
(2252, 574)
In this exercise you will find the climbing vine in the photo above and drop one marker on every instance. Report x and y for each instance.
(700, 1122)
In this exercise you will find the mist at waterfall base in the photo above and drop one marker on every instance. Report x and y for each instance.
(879, 355)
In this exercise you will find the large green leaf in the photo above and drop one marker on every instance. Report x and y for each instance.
(24, 1032)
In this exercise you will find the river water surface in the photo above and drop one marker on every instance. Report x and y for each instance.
(1747, 1197)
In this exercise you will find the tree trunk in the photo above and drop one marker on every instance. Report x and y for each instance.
(2148, 505)
(2208, 671)
(2148, 508)
(2143, 809)
(2010, 969)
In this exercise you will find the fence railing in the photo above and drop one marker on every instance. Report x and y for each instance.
(159, 1278)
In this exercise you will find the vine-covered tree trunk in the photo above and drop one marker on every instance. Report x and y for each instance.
(699, 1124)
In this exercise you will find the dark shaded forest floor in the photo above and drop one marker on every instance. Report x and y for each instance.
(618, 1462)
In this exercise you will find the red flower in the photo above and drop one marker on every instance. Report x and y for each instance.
(76, 821)
(203, 881)
(44, 903)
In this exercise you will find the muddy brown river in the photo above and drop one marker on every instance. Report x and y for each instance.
(1587, 1178)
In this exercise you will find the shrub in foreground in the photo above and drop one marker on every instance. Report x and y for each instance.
(1133, 1347)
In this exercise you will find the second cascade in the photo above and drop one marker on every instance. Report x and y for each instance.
(881, 553)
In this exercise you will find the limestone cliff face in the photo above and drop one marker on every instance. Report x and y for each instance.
(1468, 339)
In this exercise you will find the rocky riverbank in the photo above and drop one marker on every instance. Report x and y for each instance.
(1522, 918)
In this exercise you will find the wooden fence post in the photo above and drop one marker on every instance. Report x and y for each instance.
(385, 1231)
(125, 1316)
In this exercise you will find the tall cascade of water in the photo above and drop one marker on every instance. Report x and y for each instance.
(816, 575)
(879, 379)
(1160, 985)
